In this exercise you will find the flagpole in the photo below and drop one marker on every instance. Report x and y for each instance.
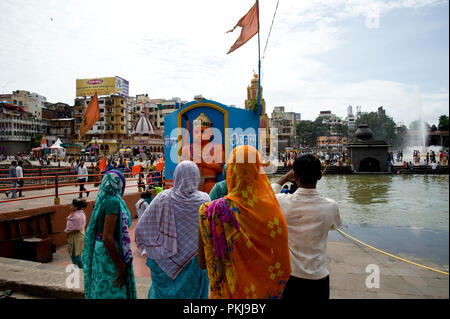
(259, 63)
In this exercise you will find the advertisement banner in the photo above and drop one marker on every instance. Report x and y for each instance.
(103, 86)
(121, 86)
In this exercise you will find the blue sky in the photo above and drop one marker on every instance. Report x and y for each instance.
(322, 54)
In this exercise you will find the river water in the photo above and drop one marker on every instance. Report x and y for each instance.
(406, 214)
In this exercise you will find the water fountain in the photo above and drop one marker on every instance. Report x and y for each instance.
(419, 141)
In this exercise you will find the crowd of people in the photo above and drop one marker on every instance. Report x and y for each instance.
(430, 159)
(327, 158)
(150, 176)
(245, 239)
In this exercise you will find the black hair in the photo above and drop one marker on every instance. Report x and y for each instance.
(79, 203)
(308, 169)
(146, 194)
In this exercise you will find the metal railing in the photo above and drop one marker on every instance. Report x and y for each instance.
(56, 184)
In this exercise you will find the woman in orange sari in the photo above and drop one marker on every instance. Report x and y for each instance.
(243, 238)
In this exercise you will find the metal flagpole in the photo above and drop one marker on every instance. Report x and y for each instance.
(259, 63)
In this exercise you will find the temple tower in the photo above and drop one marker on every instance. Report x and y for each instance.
(252, 99)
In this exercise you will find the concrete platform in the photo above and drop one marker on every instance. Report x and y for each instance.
(347, 265)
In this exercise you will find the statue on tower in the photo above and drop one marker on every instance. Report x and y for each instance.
(208, 154)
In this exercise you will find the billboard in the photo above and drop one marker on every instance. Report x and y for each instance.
(103, 86)
(121, 86)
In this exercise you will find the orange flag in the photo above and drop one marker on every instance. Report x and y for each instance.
(136, 169)
(102, 164)
(91, 115)
(160, 164)
(249, 24)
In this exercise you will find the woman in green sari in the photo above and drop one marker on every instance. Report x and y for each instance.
(107, 256)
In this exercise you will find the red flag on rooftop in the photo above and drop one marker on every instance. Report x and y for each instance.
(91, 116)
(249, 24)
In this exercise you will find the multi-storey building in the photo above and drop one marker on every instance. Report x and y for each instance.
(18, 128)
(286, 123)
(31, 102)
(334, 143)
(63, 128)
(57, 111)
(351, 119)
(159, 108)
(115, 124)
(333, 122)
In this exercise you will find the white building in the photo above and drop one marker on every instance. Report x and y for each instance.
(351, 119)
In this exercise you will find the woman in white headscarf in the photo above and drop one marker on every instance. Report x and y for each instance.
(168, 232)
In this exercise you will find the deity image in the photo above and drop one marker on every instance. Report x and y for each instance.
(206, 152)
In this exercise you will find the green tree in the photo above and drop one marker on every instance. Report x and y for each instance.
(36, 141)
(308, 131)
(443, 123)
(382, 126)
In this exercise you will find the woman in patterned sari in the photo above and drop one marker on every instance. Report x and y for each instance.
(107, 256)
(168, 232)
(243, 239)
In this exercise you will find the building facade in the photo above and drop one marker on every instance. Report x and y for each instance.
(334, 143)
(115, 124)
(18, 129)
(64, 129)
(57, 111)
(31, 102)
(159, 108)
(351, 119)
(286, 123)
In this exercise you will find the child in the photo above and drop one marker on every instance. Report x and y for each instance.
(144, 202)
(76, 223)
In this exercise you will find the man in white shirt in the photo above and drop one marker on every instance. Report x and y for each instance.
(19, 173)
(82, 178)
(309, 216)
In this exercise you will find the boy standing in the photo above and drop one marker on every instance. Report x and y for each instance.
(309, 217)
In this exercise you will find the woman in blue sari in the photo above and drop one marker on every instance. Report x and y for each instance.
(168, 232)
(107, 256)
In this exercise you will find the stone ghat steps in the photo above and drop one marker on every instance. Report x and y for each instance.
(281, 170)
(32, 280)
(338, 170)
(420, 170)
(395, 170)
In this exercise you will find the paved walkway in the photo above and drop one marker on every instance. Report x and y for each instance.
(347, 266)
